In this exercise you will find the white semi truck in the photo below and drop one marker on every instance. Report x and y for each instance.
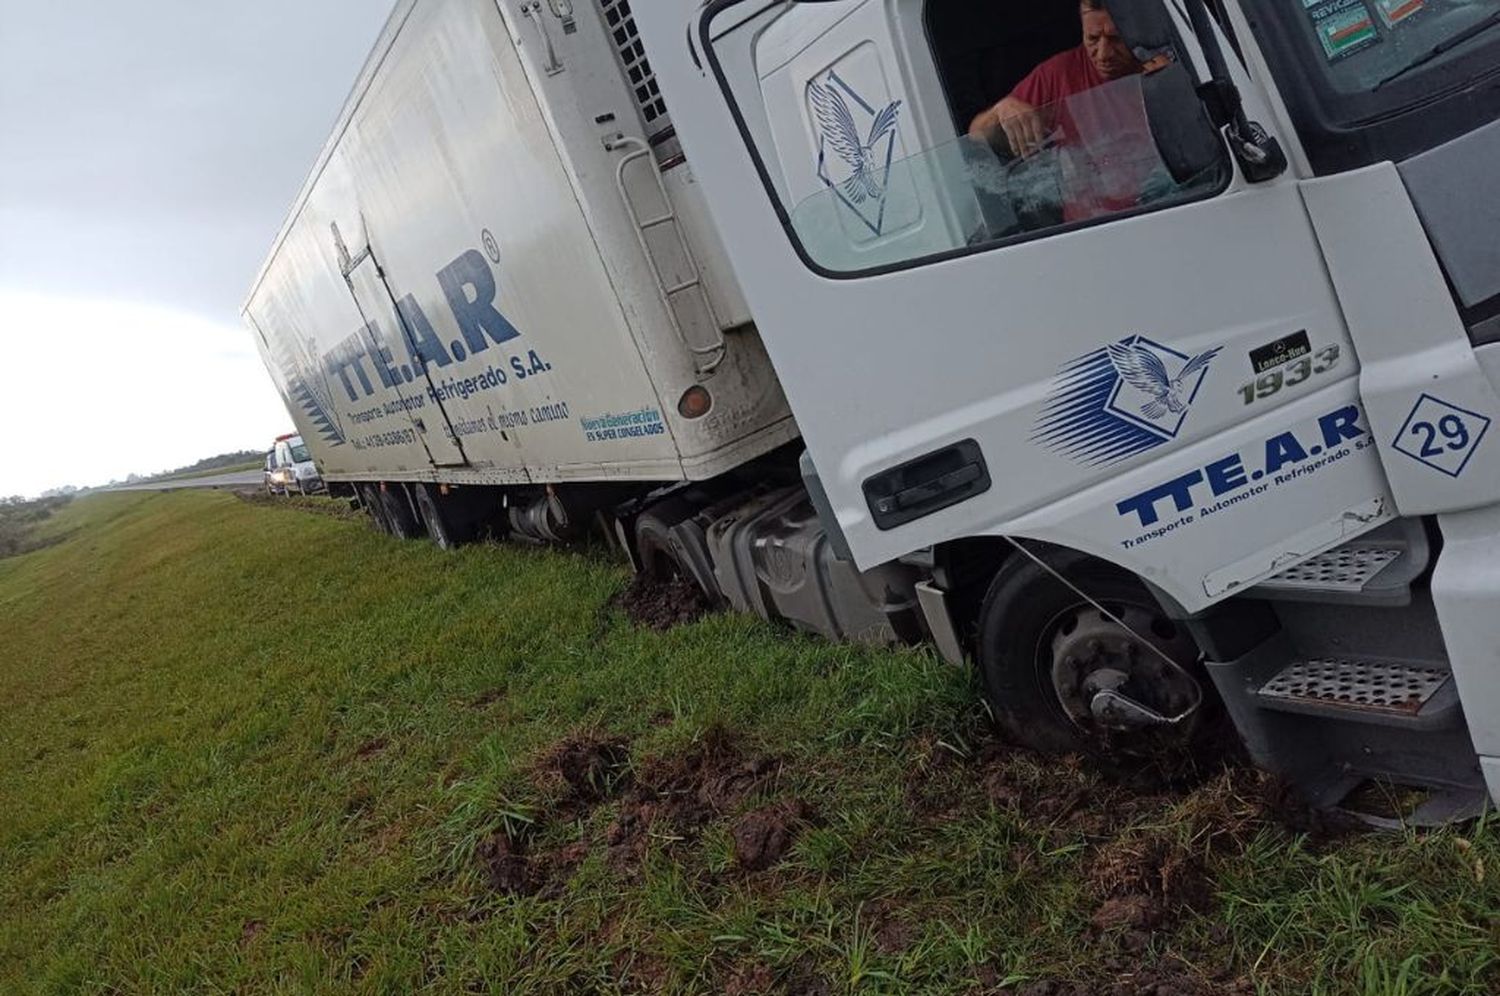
(1177, 406)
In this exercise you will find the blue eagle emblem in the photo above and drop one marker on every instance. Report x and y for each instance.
(861, 154)
(1120, 401)
(1143, 370)
(854, 161)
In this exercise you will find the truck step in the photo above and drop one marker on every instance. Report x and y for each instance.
(1376, 569)
(1380, 692)
(1345, 568)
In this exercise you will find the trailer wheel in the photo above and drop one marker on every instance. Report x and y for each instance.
(1051, 660)
(401, 522)
(439, 528)
(369, 497)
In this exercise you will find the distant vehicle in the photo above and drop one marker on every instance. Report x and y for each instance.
(290, 467)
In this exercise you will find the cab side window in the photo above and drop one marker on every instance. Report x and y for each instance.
(1059, 114)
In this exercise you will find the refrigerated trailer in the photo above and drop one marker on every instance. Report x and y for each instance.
(1142, 354)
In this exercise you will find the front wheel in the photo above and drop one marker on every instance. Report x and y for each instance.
(1064, 677)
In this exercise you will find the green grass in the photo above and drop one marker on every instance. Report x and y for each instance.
(244, 748)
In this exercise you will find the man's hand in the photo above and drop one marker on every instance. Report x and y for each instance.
(1022, 125)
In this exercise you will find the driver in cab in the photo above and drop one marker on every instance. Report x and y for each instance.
(1022, 116)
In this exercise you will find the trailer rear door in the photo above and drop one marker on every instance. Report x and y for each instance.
(390, 341)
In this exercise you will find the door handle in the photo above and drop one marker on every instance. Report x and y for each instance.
(919, 495)
(551, 65)
(927, 484)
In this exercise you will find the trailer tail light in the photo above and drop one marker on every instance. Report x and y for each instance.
(696, 402)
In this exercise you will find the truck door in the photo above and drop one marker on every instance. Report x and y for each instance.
(1089, 327)
(390, 340)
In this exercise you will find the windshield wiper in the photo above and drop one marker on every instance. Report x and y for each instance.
(1442, 47)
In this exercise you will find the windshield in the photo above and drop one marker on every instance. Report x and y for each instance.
(300, 453)
(1350, 68)
(1365, 44)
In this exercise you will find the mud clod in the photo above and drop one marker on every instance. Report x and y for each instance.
(1135, 913)
(1152, 866)
(662, 605)
(751, 979)
(591, 769)
(505, 861)
(891, 932)
(488, 698)
(763, 837)
(673, 797)
(370, 748)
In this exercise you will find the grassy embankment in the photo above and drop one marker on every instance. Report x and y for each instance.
(244, 748)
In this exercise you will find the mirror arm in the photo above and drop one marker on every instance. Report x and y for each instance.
(1259, 154)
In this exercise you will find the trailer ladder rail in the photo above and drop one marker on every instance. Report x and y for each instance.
(706, 359)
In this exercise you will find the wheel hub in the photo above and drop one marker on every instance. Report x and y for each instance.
(1123, 678)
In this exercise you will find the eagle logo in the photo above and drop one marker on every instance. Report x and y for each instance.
(1120, 400)
(1143, 370)
(862, 153)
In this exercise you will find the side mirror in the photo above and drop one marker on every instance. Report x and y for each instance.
(1147, 26)
(1185, 137)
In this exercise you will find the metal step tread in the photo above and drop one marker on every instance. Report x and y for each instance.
(1365, 686)
(1348, 568)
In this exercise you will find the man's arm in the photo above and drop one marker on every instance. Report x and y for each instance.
(1019, 121)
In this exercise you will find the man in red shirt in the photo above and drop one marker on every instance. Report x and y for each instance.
(1029, 113)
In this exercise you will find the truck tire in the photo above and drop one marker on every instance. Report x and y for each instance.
(1042, 647)
(653, 545)
(662, 561)
(401, 522)
(440, 527)
(369, 497)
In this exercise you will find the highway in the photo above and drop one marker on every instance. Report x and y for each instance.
(240, 480)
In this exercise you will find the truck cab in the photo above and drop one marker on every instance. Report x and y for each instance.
(1199, 366)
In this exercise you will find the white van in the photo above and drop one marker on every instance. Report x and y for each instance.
(290, 467)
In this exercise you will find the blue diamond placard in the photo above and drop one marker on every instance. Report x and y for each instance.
(1442, 435)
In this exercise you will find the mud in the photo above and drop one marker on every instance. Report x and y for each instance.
(752, 979)
(675, 796)
(488, 698)
(512, 869)
(669, 800)
(1140, 982)
(338, 508)
(590, 768)
(639, 973)
(1154, 877)
(889, 929)
(507, 864)
(661, 605)
(370, 748)
(764, 836)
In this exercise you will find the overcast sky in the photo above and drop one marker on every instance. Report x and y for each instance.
(148, 154)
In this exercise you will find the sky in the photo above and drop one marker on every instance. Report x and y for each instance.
(149, 153)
